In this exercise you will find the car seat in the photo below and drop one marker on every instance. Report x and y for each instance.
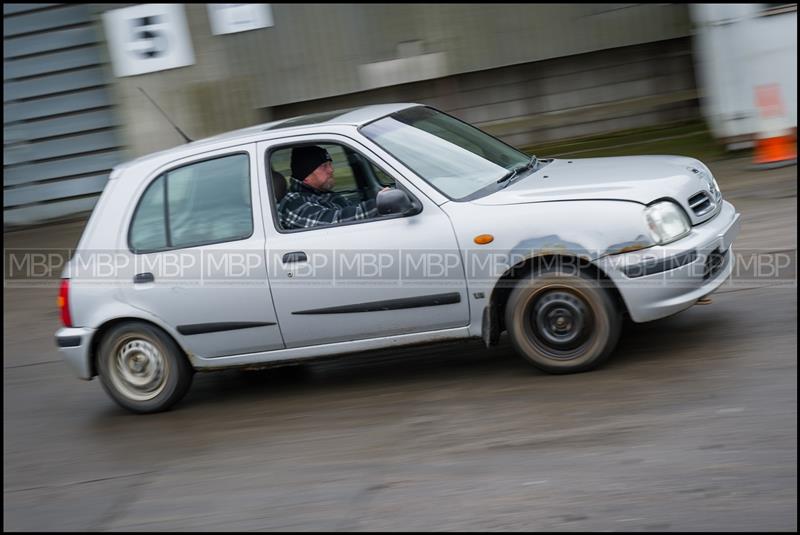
(279, 186)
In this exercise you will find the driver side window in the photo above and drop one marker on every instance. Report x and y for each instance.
(383, 178)
(348, 196)
(345, 181)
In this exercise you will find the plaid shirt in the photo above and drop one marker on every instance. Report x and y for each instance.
(305, 207)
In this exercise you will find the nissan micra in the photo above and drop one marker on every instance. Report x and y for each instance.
(186, 263)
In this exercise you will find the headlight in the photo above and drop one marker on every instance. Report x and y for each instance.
(667, 222)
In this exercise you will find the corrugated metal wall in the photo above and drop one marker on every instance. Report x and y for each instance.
(316, 51)
(322, 51)
(528, 73)
(59, 129)
(538, 102)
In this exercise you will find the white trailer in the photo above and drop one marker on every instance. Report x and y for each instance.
(746, 58)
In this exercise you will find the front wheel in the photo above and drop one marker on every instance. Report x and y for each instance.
(142, 368)
(562, 322)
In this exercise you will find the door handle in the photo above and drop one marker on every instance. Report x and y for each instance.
(143, 277)
(297, 256)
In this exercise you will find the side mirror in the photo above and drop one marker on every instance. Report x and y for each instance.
(394, 201)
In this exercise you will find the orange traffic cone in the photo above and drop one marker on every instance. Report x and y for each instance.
(775, 143)
(776, 151)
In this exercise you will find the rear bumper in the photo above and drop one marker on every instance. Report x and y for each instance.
(660, 281)
(73, 344)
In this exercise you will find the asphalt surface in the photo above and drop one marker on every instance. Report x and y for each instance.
(692, 425)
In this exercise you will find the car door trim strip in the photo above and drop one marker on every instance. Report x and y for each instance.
(389, 304)
(203, 328)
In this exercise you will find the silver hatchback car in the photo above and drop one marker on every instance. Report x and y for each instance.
(189, 263)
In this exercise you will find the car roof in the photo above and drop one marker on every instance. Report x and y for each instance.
(351, 116)
(284, 127)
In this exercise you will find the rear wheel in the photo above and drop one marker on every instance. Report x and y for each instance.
(142, 368)
(562, 321)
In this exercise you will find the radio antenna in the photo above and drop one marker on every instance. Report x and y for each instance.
(184, 136)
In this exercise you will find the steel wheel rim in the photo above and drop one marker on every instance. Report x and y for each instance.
(138, 369)
(559, 322)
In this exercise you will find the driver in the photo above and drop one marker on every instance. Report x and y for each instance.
(310, 200)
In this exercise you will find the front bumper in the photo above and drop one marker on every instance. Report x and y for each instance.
(662, 280)
(73, 344)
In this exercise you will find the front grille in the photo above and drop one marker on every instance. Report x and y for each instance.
(714, 263)
(701, 203)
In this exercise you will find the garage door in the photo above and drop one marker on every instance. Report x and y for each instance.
(60, 137)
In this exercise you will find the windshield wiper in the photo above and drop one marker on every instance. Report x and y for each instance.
(515, 171)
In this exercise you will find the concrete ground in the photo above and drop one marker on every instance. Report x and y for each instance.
(692, 425)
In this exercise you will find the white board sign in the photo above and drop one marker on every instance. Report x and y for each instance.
(234, 18)
(148, 38)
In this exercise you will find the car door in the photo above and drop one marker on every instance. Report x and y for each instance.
(198, 263)
(365, 279)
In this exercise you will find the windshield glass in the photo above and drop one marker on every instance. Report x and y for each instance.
(455, 158)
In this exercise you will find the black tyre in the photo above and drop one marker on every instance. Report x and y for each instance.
(142, 368)
(562, 321)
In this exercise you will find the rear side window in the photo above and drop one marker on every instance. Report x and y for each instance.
(206, 202)
(148, 231)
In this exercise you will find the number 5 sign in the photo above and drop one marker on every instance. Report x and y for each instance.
(148, 38)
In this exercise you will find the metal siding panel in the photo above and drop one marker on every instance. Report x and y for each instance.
(36, 44)
(44, 107)
(78, 165)
(46, 85)
(467, 33)
(13, 9)
(31, 152)
(48, 63)
(71, 124)
(44, 20)
(41, 42)
(54, 190)
(40, 212)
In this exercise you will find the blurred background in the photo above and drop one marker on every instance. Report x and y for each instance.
(554, 79)
(692, 425)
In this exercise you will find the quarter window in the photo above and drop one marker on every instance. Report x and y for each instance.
(207, 202)
(148, 231)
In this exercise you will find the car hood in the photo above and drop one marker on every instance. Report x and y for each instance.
(641, 179)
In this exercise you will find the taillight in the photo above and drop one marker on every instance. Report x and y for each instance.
(63, 303)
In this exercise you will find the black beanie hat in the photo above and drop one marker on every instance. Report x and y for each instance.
(306, 159)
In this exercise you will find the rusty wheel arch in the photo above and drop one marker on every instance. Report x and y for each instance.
(494, 313)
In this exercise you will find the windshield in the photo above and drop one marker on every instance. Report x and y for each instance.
(457, 159)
